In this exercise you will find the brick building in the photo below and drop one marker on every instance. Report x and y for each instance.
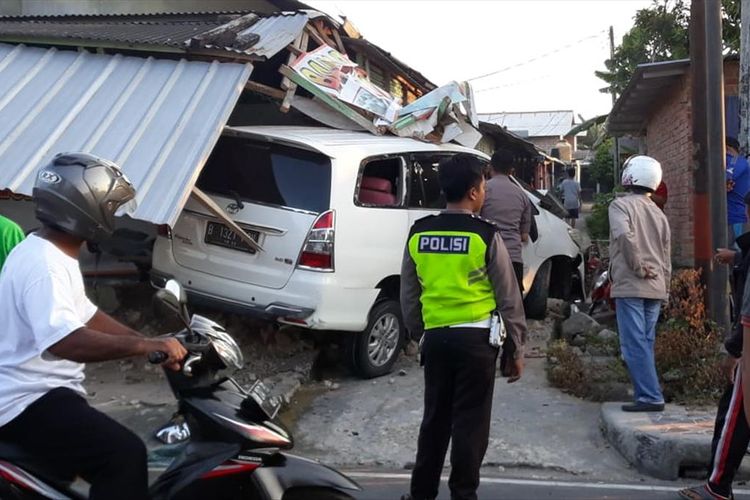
(656, 107)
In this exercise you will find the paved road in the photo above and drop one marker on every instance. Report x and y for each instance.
(382, 486)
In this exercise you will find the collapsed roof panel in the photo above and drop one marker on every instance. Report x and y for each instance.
(158, 119)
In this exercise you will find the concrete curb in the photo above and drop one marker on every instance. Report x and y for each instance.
(660, 444)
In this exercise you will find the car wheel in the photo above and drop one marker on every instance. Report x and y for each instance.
(535, 303)
(376, 349)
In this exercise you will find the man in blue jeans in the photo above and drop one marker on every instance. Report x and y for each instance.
(640, 268)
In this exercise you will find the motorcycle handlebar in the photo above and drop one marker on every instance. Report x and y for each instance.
(157, 357)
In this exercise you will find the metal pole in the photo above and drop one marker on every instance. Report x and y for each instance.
(710, 221)
(616, 153)
(744, 91)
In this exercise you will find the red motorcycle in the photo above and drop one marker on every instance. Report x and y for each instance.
(597, 264)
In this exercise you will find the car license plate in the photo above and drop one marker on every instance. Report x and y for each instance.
(220, 235)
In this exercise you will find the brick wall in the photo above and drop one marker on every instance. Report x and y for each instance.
(669, 140)
(731, 77)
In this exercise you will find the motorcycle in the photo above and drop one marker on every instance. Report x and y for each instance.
(234, 451)
(597, 266)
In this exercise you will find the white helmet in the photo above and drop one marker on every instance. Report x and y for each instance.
(642, 171)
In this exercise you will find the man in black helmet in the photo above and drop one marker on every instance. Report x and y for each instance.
(50, 328)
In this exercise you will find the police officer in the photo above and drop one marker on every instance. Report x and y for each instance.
(456, 272)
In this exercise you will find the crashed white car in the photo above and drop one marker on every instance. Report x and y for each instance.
(331, 210)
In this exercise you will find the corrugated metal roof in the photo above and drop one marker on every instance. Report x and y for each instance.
(168, 31)
(158, 119)
(534, 123)
(275, 32)
(647, 85)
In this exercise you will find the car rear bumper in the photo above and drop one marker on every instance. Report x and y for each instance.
(309, 299)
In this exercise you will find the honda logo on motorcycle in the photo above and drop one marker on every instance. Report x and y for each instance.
(233, 208)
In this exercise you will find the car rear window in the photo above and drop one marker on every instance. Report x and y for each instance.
(268, 173)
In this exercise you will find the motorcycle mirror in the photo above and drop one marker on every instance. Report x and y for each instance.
(174, 288)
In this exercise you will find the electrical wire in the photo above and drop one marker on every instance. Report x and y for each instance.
(539, 57)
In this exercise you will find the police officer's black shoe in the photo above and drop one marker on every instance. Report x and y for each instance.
(409, 497)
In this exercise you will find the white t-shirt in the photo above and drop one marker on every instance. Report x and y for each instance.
(42, 300)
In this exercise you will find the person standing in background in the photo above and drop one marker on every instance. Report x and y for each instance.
(571, 193)
(507, 205)
(660, 196)
(640, 269)
(738, 185)
(11, 235)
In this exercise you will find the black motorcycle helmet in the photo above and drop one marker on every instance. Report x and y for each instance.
(79, 194)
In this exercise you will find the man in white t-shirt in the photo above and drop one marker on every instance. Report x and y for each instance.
(50, 328)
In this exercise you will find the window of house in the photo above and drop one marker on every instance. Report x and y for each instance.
(381, 183)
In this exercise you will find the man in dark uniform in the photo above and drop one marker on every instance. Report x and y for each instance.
(456, 272)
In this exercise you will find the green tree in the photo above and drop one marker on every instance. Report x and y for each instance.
(601, 167)
(661, 33)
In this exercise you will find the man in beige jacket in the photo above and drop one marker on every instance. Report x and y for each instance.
(640, 268)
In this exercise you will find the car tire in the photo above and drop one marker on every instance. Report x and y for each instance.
(375, 350)
(535, 303)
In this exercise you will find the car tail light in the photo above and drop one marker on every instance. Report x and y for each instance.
(164, 231)
(317, 252)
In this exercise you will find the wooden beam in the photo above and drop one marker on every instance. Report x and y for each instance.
(286, 83)
(320, 27)
(316, 36)
(291, 48)
(265, 89)
(330, 101)
(337, 38)
(207, 202)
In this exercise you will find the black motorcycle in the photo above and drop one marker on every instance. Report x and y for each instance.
(235, 446)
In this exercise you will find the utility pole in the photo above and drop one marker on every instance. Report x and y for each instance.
(744, 92)
(616, 155)
(710, 201)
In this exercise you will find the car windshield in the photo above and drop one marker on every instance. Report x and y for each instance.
(268, 173)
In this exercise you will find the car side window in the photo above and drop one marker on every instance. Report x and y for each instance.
(424, 186)
(381, 183)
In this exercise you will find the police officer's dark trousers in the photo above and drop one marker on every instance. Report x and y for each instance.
(459, 371)
(731, 438)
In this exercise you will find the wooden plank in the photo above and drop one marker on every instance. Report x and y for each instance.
(265, 89)
(286, 83)
(319, 26)
(330, 101)
(294, 50)
(316, 36)
(207, 202)
(337, 38)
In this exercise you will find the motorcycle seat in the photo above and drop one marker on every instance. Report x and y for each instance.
(25, 460)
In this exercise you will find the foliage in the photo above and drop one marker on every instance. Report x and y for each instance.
(567, 370)
(661, 33)
(688, 345)
(687, 352)
(598, 222)
(601, 168)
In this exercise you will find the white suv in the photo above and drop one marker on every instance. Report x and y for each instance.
(332, 211)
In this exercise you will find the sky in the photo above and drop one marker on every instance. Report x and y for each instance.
(546, 51)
